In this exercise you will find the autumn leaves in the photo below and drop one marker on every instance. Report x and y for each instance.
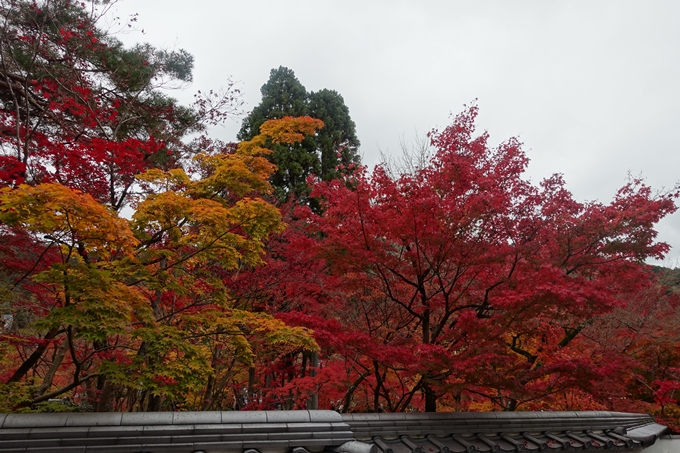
(458, 285)
(139, 302)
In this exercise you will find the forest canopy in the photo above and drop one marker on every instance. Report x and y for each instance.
(239, 282)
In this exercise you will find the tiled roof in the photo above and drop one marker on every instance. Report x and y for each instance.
(497, 432)
(185, 432)
(316, 431)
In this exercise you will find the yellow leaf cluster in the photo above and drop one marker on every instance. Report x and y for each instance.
(288, 130)
(236, 174)
(240, 327)
(68, 217)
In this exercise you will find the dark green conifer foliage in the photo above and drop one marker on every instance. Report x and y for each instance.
(335, 146)
(337, 141)
(282, 95)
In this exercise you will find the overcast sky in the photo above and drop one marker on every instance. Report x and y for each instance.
(592, 88)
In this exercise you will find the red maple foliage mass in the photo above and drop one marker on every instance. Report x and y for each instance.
(462, 285)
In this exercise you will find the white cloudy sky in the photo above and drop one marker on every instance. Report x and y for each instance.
(592, 88)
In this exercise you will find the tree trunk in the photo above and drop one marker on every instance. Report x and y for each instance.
(106, 397)
(430, 395)
(313, 402)
(155, 402)
(49, 376)
(33, 359)
(208, 394)
(511, 406)
(251, 382)
(430, 398)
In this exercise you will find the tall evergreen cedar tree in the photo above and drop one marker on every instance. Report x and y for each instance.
(331, 152)
(459, 285)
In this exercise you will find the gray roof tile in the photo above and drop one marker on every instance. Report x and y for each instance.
(83, 441)
(147, 418)
(246, 437)
(310, 426)
(647, 434)
(14, 433)
(119, 431)
(213, 446)
(291, 436)
(206, 438)
(264, 427)
(267, 444)
(34, 420)
(114, 449)
(232, 428)
(61, 431)
(37, 442)
(324, 416)
(288, 417)
(268, 432)
(183, 418)
(244, 417)
(57, 450)
(102, 419)
(156, 430)
(489, 415)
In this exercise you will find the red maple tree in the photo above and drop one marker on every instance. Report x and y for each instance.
(461, 281)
